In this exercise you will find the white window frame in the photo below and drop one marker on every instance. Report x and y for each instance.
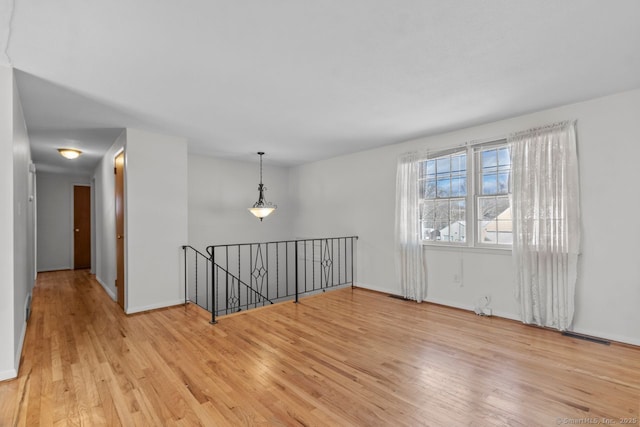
(472, 198)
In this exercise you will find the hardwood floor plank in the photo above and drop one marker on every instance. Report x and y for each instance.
(347, 357)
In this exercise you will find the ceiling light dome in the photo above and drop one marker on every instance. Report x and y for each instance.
(69, 153)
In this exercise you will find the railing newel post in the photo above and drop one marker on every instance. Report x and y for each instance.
(196, 268)
(184, 251)
(297, 280)
(214, 283)
(353, 240)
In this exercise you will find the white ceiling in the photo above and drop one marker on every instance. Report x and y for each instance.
(306, 80)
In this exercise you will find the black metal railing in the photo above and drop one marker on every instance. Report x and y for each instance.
(238, 295)
(246, 275)
(197, 273)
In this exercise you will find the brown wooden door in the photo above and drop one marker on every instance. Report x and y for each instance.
(81, 227)
(120, 284)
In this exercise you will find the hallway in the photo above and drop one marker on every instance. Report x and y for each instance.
(340, 358)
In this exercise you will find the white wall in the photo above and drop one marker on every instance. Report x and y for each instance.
(356, 194)
(7, 368)
(105, 218)
(23, 223)
(55, 219)
(156, 219)
(16, 225)
(220, 191)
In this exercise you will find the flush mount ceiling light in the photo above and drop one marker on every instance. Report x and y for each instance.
(262, 208)
(69, 153)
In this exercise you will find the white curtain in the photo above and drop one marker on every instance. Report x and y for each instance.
(546, 223)
(409, 258)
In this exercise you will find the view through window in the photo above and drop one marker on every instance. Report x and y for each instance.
(464, 196)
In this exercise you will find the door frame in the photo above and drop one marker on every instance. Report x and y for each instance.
(122, 303)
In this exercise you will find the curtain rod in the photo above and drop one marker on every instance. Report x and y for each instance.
(472, 143)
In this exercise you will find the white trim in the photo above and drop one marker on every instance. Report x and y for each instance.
(9, 374)
(155, 306)
(511, 316)
(449, 304)
(13, 373)
(490, 250)
(20, 343)
(106, 288)
(377, 289)
(506, 315)
(44, 270)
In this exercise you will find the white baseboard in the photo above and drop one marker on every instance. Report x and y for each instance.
(20, 345)
(442, 302)
(132, 310)
(13, 373)
(106, 288)
(507, 315)
(60, 268)
(467, 307)
(512, 316)
(8, 374)
(374, 288)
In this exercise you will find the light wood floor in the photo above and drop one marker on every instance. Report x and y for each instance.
(348, 357)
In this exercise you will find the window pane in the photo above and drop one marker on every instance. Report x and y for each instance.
(503, 183)
(459, 187)
(429, 189)
(427, 169)
(443, 188)
(504, 157)
(502, 205)
(487, 232)
(505, 235)
(494, 222)
(442, 212)
(443, 165)
(458, 210)
(431, 167)
(487, 208)
(489, 184)
(489, 159)
(454, 232)
(428, 230)
(459, 163)
(427, 210)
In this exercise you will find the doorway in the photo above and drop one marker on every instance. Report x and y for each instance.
(81, 227)
(119, 195)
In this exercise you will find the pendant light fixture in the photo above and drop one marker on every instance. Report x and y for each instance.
(262, 208)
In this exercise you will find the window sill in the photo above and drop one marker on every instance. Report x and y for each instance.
(465, 248)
